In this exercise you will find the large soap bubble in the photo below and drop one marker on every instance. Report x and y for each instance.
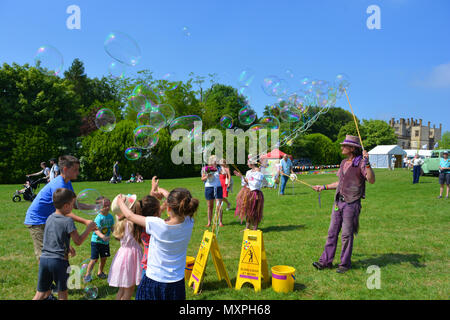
(49, 59)
(133, 153)
(123, 48)
(145, 137)
(191, 123)
(105, 120)
(89, 201)
(246, 116)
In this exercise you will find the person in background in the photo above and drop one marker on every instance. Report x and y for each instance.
(393, 160)
(116, 175)
(417, 168)
(213, 189)
(286, 170)
(225, 180)
(405, 162)
(45, 171)
(444, 174)
(132, 179)
(54, 170)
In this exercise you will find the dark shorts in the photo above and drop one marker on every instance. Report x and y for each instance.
(211, 195)
(444, 178)
(99, 249)
(149, 289)
(52, 270)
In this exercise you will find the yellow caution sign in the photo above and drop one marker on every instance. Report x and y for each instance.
(208, 244)
(253, 260)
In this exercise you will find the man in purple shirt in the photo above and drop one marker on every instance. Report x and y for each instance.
(353, 173)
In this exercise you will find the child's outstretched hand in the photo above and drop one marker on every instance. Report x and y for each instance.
(155, 184)
(91, 226)
(72, 251)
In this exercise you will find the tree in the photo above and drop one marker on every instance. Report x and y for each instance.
(33, 99)
(331, 122)
(373, 133)
(378, 132)
(444, 143)
(317, 147)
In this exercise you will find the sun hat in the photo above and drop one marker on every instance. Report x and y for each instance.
(130, 200)
(445, 152)
(351, 141)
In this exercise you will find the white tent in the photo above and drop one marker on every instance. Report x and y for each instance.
(380, 156)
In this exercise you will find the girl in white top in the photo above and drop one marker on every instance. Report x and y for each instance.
(213, 189)
(169, 240)
(252, 203)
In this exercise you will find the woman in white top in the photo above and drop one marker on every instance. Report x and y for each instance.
(164, 279)
(251, 203)
(213, 188)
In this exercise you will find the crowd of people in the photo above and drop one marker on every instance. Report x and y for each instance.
(158, 272)
(153, 250)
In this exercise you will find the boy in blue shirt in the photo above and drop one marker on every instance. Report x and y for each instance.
(100, 240)
(444, 173)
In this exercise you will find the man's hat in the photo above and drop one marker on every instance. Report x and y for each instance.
(445, 152)
(130, 200)
(351, 141)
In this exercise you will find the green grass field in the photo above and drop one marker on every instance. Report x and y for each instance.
(404, 229)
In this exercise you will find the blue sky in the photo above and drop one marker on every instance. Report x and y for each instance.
(401, 70)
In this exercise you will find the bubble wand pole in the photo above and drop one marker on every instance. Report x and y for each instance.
(354, 119)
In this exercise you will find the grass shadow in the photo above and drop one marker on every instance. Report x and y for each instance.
(283, 228)
(299, 286)
(389, 258)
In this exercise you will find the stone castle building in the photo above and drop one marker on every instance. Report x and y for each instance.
(412, 134)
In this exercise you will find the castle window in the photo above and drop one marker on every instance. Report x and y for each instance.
(416, 133)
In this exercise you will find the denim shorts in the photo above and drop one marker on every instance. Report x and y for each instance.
(444, 178)
(99, 249)
(211, 195)
(52, 269)
(149, 289)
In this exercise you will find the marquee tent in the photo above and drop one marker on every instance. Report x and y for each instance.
(380, 156)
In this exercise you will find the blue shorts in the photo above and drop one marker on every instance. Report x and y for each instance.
(211, 195)
(99, 249)
(149, 289)
(52, 270)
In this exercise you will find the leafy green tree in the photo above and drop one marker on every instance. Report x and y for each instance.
(444, 143)
(317, 147)
(33, 99)
(378, 132)
(331, 122)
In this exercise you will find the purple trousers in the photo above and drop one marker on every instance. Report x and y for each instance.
(346, 217)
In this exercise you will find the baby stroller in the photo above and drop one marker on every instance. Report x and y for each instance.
(28, 192)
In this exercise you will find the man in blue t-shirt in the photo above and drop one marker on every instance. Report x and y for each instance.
(42, 206)
(444, 173)
(285, 171)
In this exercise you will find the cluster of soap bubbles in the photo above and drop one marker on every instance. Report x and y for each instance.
(298, 105)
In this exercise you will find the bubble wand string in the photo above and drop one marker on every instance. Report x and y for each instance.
(354, 119)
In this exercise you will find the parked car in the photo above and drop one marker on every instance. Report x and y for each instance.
(431, 165)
